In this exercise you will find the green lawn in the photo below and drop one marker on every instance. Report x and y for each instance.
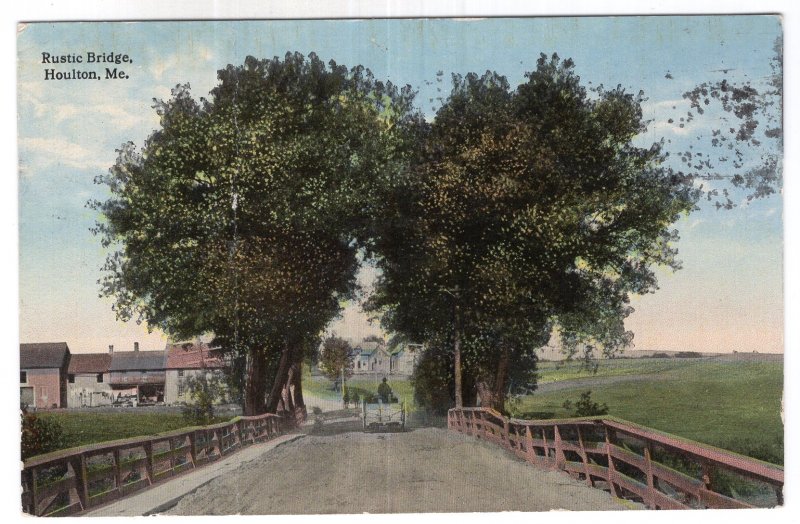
(732, 405)
(557, 371)
(82, 428)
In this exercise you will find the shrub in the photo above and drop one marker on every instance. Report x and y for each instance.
(40, 435)
(359, 394)
(585, 407)
(205, 390)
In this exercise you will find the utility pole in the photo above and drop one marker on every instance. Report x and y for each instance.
(457, 355)
(456, 346)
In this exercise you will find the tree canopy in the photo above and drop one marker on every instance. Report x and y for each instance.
(526, 209)
(241, 216)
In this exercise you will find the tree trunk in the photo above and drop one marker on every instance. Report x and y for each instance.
(286, 392)
(457, 355)
(493, 391)
(279, 381)
(255, 383)
(296, 389)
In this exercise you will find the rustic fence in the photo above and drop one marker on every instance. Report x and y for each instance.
(74, 480)
(634, 462)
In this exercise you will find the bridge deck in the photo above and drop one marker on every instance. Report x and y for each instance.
(423, 470)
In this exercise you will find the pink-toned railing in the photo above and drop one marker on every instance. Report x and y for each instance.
(660, 470)
(73, 480)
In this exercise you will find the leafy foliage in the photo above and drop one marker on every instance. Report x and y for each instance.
(40, 435)
(205, 390)
(336, 358)
(241, 215)
(585, 407)
(747, 136)
(525, 210)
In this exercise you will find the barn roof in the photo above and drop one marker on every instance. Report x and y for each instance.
(189, 355)
(89, 363)
(137, 360)
(43, 355)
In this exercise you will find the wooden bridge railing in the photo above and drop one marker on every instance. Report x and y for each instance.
(660, 470)
(73, 480)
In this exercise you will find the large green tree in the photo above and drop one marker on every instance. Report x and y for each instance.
(242, 215)
(526, 210)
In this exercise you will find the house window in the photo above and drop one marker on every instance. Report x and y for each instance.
(23, 377)
(181, 388)
(180, 372)
(99, 377)
(71, 378)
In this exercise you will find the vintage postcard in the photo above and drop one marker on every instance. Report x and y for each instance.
(433, 265)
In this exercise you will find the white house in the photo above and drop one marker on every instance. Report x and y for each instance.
(88, 383)
(373, 357)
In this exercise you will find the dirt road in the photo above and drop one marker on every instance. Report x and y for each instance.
(423, 470)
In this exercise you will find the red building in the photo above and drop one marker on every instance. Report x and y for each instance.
(43, 374)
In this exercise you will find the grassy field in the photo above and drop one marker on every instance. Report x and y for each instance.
(82, 428)
(557, 371)
(729, 404)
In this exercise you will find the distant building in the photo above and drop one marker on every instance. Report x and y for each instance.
(370, 357)
(43, 374)
(373, 357)
(188, 359)
(88, 380)
(404, 358)
(138, 374)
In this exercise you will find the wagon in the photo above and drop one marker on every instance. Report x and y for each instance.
(382, 417)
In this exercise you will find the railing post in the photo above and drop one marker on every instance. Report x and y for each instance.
(561, 460)
(217, 434)
(529, 445)
(546, 446)
(611, 471)
(118, 471)
(171, 455)
(78, 465)
(584, 457)
(483, 425)
(707, 472)
(148, 452)
(34, 493)
(505, 433)
(648, 471)
(193, 448)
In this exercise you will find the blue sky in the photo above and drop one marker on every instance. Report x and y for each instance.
(727, 297)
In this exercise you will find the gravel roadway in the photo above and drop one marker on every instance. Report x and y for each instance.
(423, 470)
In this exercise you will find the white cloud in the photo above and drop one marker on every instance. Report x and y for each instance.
(694, 223)
(42, 152)
(121, 119)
